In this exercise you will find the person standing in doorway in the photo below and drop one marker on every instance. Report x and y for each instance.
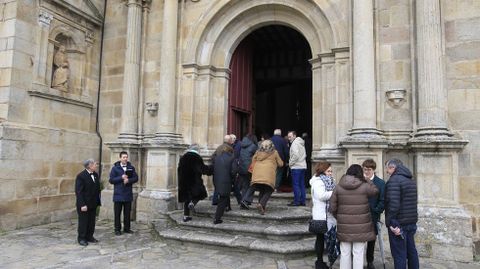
(87, 191)
(376, 204)
(298, 165)
(308, 151)
(282, 148)
(122, 176)
(401, 215)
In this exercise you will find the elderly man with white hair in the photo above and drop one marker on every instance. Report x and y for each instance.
(87, 191)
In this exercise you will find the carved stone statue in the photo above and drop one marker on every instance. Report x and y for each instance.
(61, 74)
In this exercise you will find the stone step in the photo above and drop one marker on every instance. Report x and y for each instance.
(238, 242)
(275, 231)
(274, 213)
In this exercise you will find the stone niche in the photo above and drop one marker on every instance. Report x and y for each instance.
(66, 60)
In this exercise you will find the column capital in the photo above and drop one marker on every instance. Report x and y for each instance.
(138, 3)
(44, 18)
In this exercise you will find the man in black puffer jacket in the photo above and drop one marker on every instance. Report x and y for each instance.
(401, 214)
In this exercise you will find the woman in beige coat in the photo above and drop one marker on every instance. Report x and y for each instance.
(264, 166)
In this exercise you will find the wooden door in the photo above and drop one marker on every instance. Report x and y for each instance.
(240, 90)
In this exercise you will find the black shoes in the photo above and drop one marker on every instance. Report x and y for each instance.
(128, 231)
(370, 265)
(92, 240)
(118, 233)
(320, 265)
(83, 243)
(243, 205)
(186, 218)
(217, 221)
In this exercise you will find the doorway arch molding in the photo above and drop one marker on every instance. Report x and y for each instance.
(209, 47)
(221, 29)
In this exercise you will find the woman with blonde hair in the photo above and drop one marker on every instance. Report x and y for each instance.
(264, 166)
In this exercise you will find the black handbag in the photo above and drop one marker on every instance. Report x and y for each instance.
(317, 226)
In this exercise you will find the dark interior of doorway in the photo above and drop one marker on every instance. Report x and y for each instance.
(271, 86)
(282, 81)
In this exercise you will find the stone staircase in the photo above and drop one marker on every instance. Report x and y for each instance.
(281, 232)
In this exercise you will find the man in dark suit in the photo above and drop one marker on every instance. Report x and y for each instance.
(87, 190)
(376, 204)
(122, 176)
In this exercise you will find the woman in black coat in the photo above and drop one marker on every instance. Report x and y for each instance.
(190, 183)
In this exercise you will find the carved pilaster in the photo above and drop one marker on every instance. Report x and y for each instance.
(364, 96)
(168, 57)
(131, 79)
(432, 94)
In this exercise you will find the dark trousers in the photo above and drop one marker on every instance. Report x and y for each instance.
(320, 246)
(223, 202)
(186, 210)
(278, 177)
(265, 193)
(370, 250)
(403, 249)
(244, 185)
(236, 190)
(86, 224)
(117, 207)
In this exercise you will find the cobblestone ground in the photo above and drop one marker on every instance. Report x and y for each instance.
(54, 246)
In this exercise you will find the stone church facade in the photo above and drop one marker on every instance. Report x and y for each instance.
(90, 78)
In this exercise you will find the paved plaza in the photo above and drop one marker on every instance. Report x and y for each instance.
(54, 246)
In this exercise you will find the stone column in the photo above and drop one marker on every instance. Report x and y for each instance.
(131, 74)
(436, 150)
(432, 94)
(364, 140)
(163, 151)
(364, 96)
(168, 67)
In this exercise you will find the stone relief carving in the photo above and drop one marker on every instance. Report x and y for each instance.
(396, 97)
(44, 18)
(61, 74)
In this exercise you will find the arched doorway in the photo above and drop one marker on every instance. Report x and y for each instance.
(271, 83)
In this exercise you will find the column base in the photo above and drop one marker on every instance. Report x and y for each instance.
(433, 133)
(444, 233)
(130, 138)
(362, 147)
(107, 211)
(153, 205)
(361, 137)
(167, 139)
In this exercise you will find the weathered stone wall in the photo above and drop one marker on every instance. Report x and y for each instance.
(461, 20)
(45, 133)
(394, 67)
